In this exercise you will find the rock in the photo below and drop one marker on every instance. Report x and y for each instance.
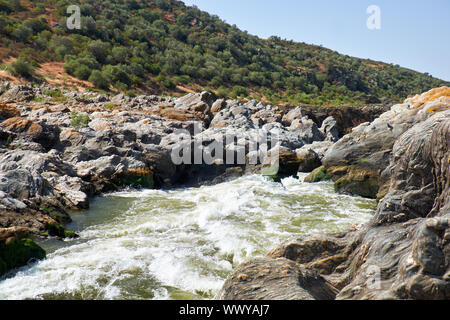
(347, 117)
(238, 117)
(275, 279)
(294, 114)
(41, 133)
(18, 93)
(414, 157)
(8, 111)
(16, 251)
(306, 129)
(218, 106)
(356, 161)
(309, 159)
(329, 129)
(7, 202)
(319, 174)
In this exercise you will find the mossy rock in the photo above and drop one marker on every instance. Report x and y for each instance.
(57, 230)
(367, 188)
(270, 171)
(18, 252)
(56, 215)
(140, 178)
(319, 174)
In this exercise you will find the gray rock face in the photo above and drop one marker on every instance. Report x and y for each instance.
(356, 161)
(307, 129)
(330, 130)
(294, 114)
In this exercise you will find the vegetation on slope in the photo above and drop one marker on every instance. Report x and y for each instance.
(160, 45)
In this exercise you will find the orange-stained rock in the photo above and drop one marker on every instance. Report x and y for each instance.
(16, 124)
(420, 101)
(8, 111)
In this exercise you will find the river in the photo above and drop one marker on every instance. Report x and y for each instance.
(180, 243)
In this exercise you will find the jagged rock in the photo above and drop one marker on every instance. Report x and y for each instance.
(19, 93)
(306, 129)
(329, 129)
(294, 114)
(347, 117)
(41, 133)
(411, 165)
(237, 116)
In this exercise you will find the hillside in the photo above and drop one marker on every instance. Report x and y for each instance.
(165, 47)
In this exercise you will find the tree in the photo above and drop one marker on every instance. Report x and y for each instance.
(21, 67)
(22, 33)
(99, 80)
(99, 50)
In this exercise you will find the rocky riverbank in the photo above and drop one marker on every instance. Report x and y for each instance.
(59, 148)
(404, 251)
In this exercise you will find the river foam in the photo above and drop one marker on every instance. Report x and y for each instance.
(180, 244)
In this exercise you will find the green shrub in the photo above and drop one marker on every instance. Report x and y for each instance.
(21, 67)
(99, 80)
(222, 92)
(22, 33)
(239, 91)
(79, 121)
(82, 72)
(56, 96)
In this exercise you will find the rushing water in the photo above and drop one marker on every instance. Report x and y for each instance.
(180, 244)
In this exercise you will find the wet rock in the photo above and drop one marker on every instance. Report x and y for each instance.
(17, 251)
(309, 159)
(318, 174)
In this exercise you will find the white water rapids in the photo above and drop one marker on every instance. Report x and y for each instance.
(180, 244)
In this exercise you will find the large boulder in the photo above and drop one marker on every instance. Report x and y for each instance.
(275, 279)
(356, 161)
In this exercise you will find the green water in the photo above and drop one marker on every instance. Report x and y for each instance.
(180, 244)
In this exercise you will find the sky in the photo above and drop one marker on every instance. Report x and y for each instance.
(414, 34)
